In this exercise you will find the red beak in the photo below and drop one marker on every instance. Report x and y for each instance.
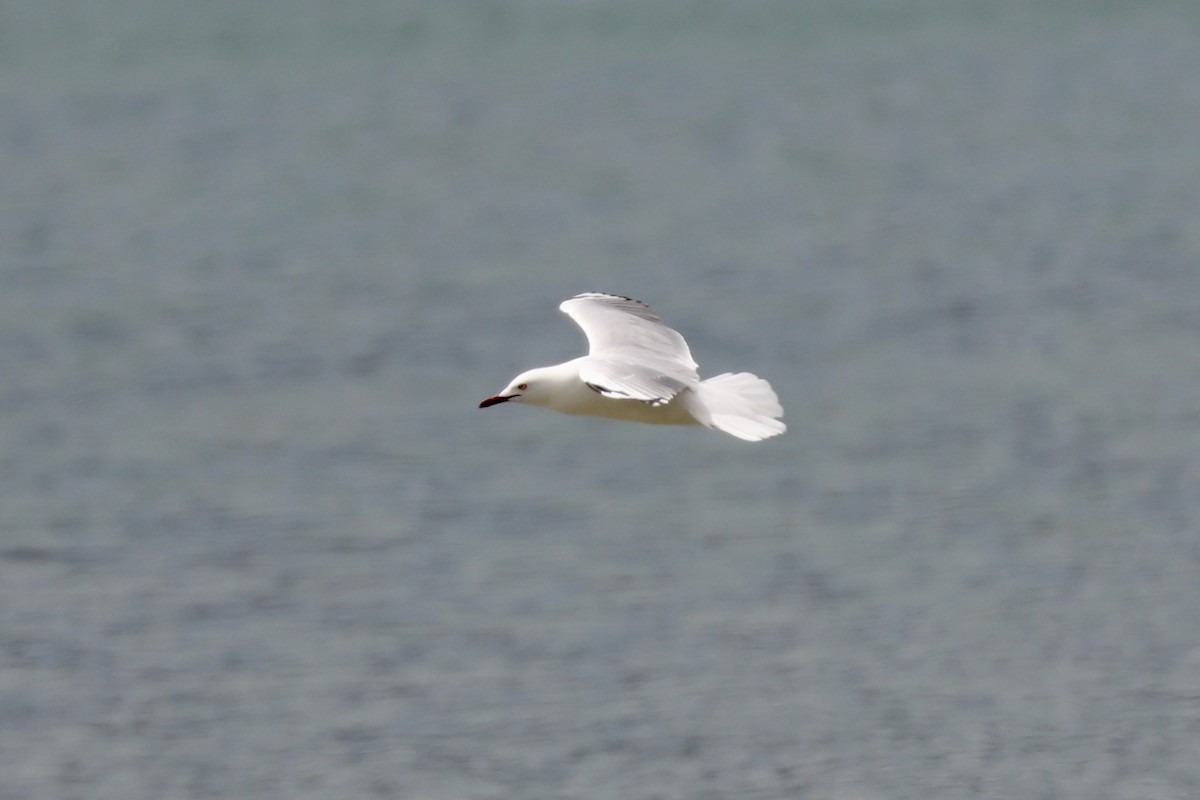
(491, 401)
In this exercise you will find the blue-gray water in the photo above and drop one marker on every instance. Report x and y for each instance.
(260, 260)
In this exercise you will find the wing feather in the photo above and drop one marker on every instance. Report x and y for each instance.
(631, 351)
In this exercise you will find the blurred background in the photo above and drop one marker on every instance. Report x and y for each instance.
(259, 261)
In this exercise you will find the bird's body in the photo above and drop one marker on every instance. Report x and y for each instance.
(568, 393)
(638, 369)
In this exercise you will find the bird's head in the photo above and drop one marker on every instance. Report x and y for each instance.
(529, 387)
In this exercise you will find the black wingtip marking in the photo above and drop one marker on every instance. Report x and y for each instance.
(610, 294)
(598, 389)
(604, 390)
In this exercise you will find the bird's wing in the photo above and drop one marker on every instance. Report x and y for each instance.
(623, 379)
(631, 353)
(613, 324)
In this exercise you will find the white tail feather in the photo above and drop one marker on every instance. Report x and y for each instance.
(740, 404)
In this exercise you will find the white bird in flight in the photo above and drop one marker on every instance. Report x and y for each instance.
(640, 370)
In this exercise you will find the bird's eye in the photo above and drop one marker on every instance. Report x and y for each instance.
(522, 386)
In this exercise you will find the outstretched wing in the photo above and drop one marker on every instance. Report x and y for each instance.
(631, 353)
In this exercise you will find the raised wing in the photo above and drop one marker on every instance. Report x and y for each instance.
(621, 324)
(632, 354)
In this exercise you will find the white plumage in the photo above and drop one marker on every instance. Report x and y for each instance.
(640, 370)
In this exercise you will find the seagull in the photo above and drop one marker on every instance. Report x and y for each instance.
(640, 370)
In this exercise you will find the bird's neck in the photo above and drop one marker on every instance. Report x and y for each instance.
(560, 387)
